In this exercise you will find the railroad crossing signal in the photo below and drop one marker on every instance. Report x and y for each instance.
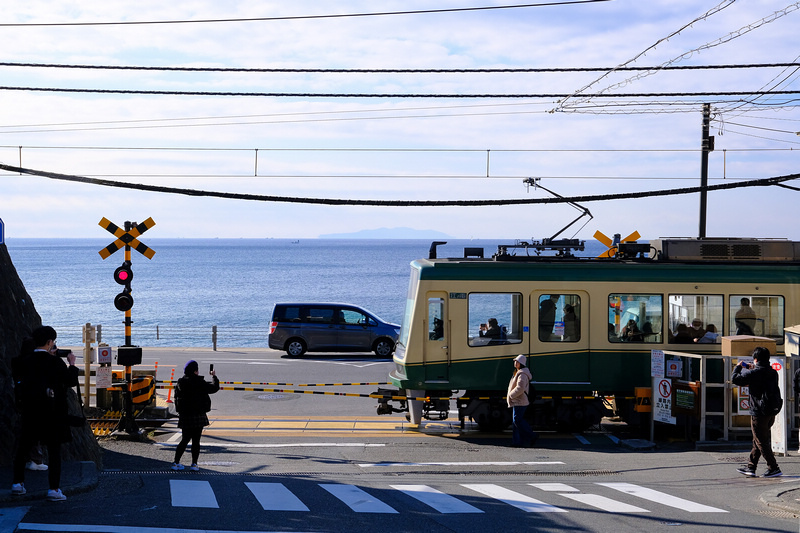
(612, 244)
(127, 355)
(123, 275)
(127, 238)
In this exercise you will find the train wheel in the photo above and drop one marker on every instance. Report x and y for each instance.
(493, 418)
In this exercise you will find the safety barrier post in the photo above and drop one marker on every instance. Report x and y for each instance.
(171, 379)
(214, 337)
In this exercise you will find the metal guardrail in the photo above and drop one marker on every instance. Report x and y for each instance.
(168, 336)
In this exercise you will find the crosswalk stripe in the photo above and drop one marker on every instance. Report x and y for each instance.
(520, 501)
(554, 487)
(358, 500)
(606, 504)
(275, 497)
(444, 503)
(662, 498)
(192, 494)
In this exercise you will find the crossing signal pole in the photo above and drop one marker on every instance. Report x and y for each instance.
(127, 355)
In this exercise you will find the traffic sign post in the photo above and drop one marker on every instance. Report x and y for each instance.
(127, 355)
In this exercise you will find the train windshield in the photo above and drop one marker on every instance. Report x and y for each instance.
(402, 342)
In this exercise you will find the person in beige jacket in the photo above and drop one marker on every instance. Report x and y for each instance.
(517, 398)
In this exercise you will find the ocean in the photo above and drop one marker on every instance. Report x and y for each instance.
(191, 285)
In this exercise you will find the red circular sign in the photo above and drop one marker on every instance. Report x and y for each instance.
(665, 388)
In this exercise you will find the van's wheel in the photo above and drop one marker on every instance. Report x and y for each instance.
(384, 348)
(295, 347)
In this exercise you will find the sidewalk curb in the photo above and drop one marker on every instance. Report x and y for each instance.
(85, 478)
(780, 498)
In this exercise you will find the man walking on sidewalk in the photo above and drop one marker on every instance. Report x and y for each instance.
(764, 400)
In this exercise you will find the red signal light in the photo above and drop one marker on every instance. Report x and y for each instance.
(123, 275)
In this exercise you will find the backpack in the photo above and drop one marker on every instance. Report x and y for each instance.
(771, 401)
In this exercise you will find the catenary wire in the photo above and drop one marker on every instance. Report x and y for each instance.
(397, 203)
(389, 95)
(540, 70)
(305, 17)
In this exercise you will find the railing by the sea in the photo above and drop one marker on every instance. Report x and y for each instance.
(170, 336)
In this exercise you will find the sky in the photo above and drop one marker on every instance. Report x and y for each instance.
(317, 135)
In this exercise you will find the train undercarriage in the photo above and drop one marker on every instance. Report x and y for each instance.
(488, 409)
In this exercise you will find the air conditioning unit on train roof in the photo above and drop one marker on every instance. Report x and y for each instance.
(727, 249)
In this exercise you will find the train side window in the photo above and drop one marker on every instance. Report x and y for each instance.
(494, 318)
(559, 318)
(695, 318)
(759, 315)
(436, 319)
(635, 318)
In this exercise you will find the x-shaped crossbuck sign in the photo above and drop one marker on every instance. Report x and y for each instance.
(127, 238)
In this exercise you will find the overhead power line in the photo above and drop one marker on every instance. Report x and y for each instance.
(397, 203)
(304, 17)
(542, 70)
(391, 95)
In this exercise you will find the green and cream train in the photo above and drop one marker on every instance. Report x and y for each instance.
(587, 325)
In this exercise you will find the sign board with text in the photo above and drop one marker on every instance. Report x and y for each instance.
(662, 400)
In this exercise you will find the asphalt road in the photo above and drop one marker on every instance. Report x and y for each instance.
(327, 463)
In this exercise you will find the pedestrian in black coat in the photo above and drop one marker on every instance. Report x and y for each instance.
(762, 379)
(192, 401)
(41, 382)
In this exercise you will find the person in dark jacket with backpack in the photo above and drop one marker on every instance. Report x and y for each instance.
(41, 382)
(763, 382)
(192, 402)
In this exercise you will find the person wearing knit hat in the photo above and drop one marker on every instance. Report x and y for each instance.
(192, 401)
(517, 398)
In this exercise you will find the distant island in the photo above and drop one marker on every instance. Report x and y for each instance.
(389, 233)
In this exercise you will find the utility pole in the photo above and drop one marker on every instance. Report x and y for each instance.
(707, 145)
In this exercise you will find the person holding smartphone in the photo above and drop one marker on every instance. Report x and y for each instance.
(42, 379)
(192, 401)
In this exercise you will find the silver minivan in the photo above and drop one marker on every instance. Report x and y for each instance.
(298, 328)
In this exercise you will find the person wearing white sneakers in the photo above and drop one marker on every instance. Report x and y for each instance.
(192, 401)
(41, 387)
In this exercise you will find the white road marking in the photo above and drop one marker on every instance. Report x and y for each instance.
(275, 497)
(554, 487)
(477, 463)
(581, 438)
(662, 498)
(606, 504)
(357, 500)
(444, 503)
(520, 501)
(614, 439)
(282, 445)
(192, 494)
(176, 438)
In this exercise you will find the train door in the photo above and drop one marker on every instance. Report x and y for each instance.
(559, 334)
(436, 349)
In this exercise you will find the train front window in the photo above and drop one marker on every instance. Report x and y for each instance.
(494, 318)
(758, 315)
(635, 318)
(695, 318)
(559, 318)
(436, 319)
